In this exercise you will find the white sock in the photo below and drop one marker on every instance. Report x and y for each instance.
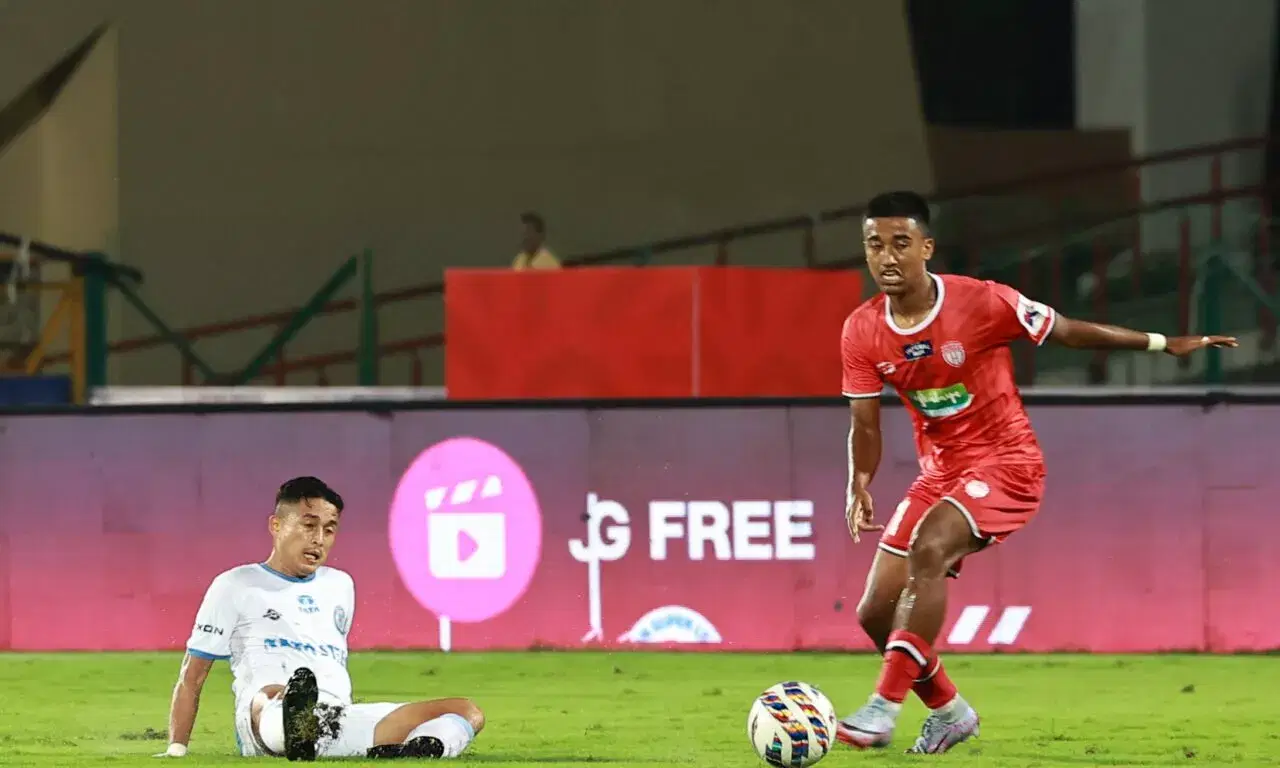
(953, 709)
(454, 731)
(894, 707)
(271, 726)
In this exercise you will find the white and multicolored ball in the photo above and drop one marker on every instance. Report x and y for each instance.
(792, 725)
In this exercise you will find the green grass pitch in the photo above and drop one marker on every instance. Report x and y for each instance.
(630, 710)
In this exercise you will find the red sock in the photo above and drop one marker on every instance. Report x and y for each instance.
(905, 657)
(934, 688)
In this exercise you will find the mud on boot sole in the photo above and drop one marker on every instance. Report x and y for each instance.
(301, 724)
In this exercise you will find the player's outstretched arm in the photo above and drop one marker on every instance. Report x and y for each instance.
(185, 703)
(1081, 334)
(864, 459)
(210, 640)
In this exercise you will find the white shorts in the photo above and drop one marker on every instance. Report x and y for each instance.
(355, 736)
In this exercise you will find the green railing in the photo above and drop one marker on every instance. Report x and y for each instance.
(1027, 213)
(101, 278)
(78, 318)
(1198, 267)
(1189, 279)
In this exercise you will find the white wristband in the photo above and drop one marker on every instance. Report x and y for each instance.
(176, 750)
(1156, 342)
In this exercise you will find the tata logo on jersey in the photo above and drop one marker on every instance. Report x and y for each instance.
(918, 350)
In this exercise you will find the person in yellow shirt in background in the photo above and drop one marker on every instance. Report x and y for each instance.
(533, 250)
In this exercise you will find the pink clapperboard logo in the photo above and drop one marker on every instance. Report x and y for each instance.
(466, 531)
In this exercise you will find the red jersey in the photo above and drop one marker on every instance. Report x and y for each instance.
(953, 371)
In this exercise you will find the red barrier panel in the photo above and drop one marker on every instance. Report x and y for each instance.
(569, 333)
(772, 332)
(717, 524)
(652, 332)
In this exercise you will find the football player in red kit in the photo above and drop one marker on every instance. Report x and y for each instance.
(942, 342)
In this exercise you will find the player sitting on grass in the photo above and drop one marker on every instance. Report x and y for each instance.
(283, 624)
(942, 341)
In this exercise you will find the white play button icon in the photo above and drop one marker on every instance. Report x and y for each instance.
(467, 545)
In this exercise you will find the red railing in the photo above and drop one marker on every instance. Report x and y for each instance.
(1177, 259)
(722, 239)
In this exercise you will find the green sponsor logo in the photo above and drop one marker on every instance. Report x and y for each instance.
(939, 403)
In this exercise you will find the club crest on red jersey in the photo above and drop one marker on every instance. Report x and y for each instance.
(953, 354)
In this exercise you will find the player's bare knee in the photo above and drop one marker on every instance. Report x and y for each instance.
(942, 538)
(259, 703)
(472, 714)
(929, 557)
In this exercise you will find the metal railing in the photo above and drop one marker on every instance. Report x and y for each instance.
(78, 320)
(280, 366)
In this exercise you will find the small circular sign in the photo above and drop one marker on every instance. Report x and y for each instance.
(465, 529)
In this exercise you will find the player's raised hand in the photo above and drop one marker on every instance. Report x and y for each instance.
(1180, 346)
(860, 514)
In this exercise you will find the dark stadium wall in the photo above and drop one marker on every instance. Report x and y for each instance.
(261, 143)
(1177, 73)
(59, 169)
(995, 64)
(964, 158)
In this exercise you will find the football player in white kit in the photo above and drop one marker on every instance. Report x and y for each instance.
(283, 624)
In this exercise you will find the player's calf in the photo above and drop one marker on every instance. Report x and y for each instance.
(875, 613)
(428, 729)
(876, 610)
(879, 601)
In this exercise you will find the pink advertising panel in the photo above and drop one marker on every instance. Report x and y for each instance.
(695, 527)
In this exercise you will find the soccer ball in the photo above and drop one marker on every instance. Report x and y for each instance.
(792, 725)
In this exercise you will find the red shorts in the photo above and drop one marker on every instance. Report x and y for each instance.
(996, 500)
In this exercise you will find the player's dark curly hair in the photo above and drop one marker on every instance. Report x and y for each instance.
(899, 205)
(302, 488)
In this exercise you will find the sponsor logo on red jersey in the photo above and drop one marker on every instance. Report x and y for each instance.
(918, 350)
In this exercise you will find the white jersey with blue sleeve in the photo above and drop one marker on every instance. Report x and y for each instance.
(268, 624)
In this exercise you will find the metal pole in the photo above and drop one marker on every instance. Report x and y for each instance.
(94, 277)
(368, 349)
